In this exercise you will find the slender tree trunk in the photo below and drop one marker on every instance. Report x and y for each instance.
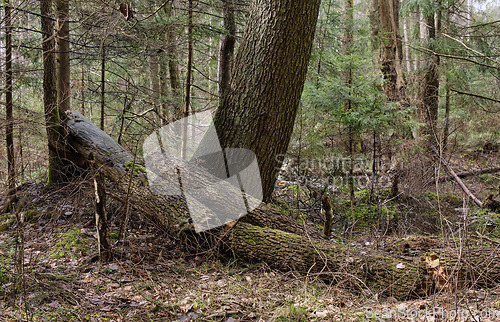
(407, 46)
(347, 41)
(416, 18)
(9, 127)
(429, 89)
(173, 64)
(267, 81)
(164, 113)
(227, 44)
(189, 67)
(446, 127)
(82, 89)
(154, 67)
(103, 84)
(63, 55)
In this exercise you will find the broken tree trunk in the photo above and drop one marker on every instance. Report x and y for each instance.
(269, 235)
(458, 180)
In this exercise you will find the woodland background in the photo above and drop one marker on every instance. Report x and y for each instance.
(386, 83)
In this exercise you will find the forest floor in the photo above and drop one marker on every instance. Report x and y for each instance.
(152, 278)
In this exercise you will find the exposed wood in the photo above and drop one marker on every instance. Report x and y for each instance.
(457, 179)
(101, 220)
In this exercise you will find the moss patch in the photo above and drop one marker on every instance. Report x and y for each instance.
(73, 242)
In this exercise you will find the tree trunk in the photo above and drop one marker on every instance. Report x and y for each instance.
(52, 117)
(267, 81)
(189, 69)
(9, 127)
(407, 46)
(63, 55)
(154, 67)
(103, 84)
(391, 49)
(226, 51)
(347, 42)
(429, 89)
(173, 64)
(446, 126)
(268, 235)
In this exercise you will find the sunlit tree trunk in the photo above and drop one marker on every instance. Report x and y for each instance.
(63, 55)
(407, 51)
(267, 81)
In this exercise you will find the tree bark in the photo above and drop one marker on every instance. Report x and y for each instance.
(173, 64)
(391, 48)
(63, 55)
(428, 101)
(267, 81)
(226, 51)
(9, 127)
(103, 84)
(189, 69)
(268, 235)
(52, 117)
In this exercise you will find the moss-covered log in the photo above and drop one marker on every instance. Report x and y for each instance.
(269, 235)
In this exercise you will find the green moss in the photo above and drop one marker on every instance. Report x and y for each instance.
(72, 241)
(431, 196)
(6, 220)
(114, 234)
(134, 167)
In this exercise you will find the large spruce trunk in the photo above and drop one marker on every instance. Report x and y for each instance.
(269, 235)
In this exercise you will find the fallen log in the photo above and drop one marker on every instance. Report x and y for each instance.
(464, 174)
(272, 236)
